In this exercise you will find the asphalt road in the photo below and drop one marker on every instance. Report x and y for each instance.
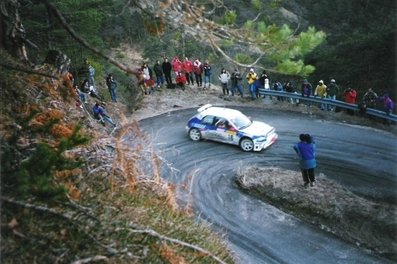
(362, 159)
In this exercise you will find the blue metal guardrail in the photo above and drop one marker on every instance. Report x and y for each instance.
(336, 103)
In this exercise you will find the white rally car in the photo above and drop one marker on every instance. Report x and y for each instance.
(230, 126)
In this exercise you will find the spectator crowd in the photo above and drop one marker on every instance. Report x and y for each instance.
(177, 73)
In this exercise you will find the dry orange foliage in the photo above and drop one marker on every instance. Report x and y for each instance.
(63, 174)
(44, 117)
(68, 84)
(170, 192)
(74, 193)
(155, 27)
(61, 131)
(44, 85)
(171, 255)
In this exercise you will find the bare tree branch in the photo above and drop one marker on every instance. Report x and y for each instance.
(26, 70)
(91, 259)
(83, 42)
(257, 17)
(38, 208)
(153, 233)
(213, 43)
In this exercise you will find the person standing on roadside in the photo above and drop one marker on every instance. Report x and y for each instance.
(91, 75)
(176, 65)
(207, 74)
(306, 151)
(224, 77)
(332, 91)
(198, 71)
(370, 98)
(388, 106)
(306, 90)
(321, 91)
(187, 67)
(112, 87)
(289, 88)
(167, 67)
(350, 97)
(236, 83)
(158, 71)
(251, 78)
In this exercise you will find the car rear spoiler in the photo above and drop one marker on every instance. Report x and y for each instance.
(206, 106)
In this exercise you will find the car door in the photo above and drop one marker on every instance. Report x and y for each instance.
(225, 131)
(209, 131)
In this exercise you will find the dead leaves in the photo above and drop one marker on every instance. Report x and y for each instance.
(51, 114)
(171, 255)
(61, 131)
(73, 191)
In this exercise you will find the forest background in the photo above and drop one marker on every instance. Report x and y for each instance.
(358, 48)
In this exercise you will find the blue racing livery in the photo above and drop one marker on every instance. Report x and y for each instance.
(230, 126)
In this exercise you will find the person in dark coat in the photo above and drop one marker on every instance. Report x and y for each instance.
(306, 151)
(167, 67)
(158, 71)
(112, 87)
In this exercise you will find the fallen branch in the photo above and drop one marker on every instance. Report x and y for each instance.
(38, 208)
(88, 260)
(27, 71)
(86, 211)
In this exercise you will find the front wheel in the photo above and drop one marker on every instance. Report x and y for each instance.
(246, 144)
(194, 134)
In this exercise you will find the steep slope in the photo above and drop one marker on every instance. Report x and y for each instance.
(72, 192)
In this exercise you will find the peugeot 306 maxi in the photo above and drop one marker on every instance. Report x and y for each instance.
(230, 126)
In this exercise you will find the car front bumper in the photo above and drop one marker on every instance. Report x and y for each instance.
(260, 145)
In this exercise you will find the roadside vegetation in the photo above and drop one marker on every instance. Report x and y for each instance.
(71, 193)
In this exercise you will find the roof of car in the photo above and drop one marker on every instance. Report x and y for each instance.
(220, 111)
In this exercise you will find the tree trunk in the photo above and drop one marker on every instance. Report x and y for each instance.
(12, 32)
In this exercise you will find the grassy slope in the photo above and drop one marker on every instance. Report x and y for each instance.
(114, 211)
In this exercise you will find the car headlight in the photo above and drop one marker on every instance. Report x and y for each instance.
(260, 139)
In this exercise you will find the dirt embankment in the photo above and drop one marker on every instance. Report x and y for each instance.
(327, 205)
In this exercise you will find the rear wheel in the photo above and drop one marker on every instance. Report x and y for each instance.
(246, 144)
(194, 134)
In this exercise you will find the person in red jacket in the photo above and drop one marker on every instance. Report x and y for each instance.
(180, 80)
(198, 71)
(350, 97)
(176, 65)
(187, 67)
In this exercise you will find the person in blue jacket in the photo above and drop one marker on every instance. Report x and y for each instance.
(306, 151)
(100, 114)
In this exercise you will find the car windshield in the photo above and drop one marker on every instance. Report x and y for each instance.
(241, 121)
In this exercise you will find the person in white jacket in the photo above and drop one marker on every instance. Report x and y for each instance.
(224, 78)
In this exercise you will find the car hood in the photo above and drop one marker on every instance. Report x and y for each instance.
(257, 129)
